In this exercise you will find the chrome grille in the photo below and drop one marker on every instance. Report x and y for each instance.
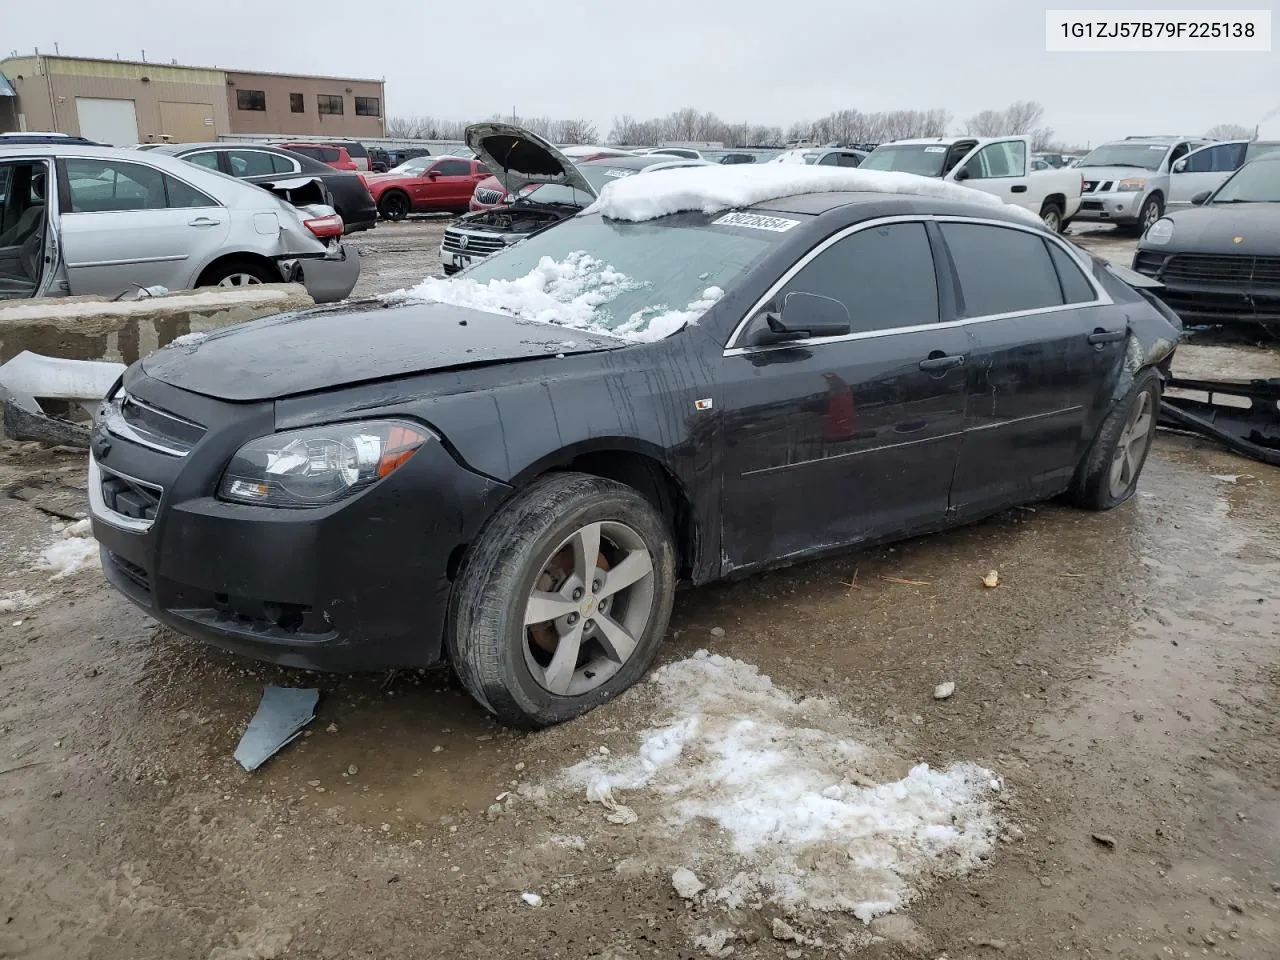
(485, 195)
(143, 423)
(478, 244)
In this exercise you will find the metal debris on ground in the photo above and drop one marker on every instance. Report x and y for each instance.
(1252, 430)
(281, 715)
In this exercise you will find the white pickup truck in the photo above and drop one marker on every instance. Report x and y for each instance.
(995, 165)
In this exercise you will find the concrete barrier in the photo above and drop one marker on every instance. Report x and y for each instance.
(94, 328)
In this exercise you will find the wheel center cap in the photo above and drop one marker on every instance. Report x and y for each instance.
(588, 606)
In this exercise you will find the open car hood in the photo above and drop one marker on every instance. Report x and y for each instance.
(518, 157)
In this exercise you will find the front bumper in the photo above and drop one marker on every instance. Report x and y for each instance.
(1214, 289)
(363, 584)
(1110, 207)
(329, 278)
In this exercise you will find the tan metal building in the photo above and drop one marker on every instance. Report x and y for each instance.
(122, 102)
(298, 105)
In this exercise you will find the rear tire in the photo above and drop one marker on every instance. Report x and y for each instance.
(238, 273)
(1051, 214)
(533, 559)
(393, 206)
(1108, 474)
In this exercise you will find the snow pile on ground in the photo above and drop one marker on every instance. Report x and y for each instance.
(574, 292)
(791, 156)
(714, 188)
(18, 600)
(75, 551)
(813, 818)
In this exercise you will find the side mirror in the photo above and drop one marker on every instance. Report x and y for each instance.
(1201, 197)
(1180, 167)
(962, 174)
(805, 316)
(433, 175)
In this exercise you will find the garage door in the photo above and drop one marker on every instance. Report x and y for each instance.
(108, 121)
(186, 122)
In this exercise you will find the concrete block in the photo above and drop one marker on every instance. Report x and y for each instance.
(95, 328)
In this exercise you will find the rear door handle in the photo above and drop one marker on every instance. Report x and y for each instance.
(1100, 336)
(1018, 188)
(941, 361)
(203, 222)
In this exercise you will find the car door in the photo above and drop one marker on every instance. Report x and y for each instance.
(447, 184)
(126, 225)
(1047, 350)
(999, 168)
(1206, 168)
(836, 440)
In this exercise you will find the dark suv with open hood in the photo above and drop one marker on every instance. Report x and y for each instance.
(546, 187)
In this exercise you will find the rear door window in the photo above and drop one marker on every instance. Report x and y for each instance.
(1001, 269)
(250, 163)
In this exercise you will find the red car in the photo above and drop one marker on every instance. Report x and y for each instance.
(490, 193)
(332, 154)
(425, 185)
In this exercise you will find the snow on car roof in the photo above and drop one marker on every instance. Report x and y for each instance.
(714, 188)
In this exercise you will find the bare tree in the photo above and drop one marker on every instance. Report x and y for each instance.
(1229, 131)
(575, 131)
(1019, 118)
(424, 128)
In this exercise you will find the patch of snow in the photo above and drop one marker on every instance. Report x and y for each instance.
(18, 600)
(568, 843)
(189, 339)
(532, 899)
(792, 156)
(75, 551)
(573, 292)
(715, 188)
(785, 779)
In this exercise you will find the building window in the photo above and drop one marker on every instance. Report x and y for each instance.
(295, 103)
(368, 107)
(328, 104)
(251, 100)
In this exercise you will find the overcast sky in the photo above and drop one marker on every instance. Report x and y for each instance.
(762, 61)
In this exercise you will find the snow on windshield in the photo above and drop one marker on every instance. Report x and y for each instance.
(572, 292)
(714, 188)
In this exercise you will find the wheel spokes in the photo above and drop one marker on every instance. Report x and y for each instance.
(564, 662)
(543, 607)
(586, 552)
(634, 567)
(617, 642)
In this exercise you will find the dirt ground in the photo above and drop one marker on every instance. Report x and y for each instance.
(1123, 680)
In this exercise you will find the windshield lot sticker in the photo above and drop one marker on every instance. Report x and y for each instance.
(935, 149)
(776, 224)
(618, 173)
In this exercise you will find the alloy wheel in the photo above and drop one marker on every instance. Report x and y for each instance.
(1152, 215)
(589, 605)
(238, 280)
(1131, 448)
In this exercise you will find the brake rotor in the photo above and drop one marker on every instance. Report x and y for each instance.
(553, 577)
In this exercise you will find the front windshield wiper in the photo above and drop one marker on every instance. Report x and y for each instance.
(1241, 200)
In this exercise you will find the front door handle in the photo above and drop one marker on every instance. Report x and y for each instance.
(1018, 188)
(941, 361)
(1100, 336)
(203, 222)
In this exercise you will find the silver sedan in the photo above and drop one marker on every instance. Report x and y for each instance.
(78, 220)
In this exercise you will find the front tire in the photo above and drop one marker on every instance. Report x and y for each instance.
(1108, 475)
(563, 600)
(1152, 210)
(393, 206)
(1051, 214)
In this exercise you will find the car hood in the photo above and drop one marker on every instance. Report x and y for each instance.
(1215, 227)
(518, 157)
(321, 349)
(1116, 173)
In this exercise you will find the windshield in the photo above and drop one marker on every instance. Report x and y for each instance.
(1253, 183)
(640, 281)
(414, 166)
(1146, 156)
(1255, 150)
(924, 159)
(596, 174)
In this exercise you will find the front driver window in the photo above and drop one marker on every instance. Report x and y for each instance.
(1008, 158)
(452, 168)
(883, 275)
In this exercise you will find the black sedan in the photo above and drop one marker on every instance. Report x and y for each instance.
(459, 481)
(260, 163)
(1219, 261)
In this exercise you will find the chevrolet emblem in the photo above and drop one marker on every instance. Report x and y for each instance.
(1237, 239)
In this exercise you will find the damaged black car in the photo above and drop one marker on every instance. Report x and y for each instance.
(545, 186)
(719, 393)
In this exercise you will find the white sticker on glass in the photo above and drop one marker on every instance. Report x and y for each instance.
(756, 222)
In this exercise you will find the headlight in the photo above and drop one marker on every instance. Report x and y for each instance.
(319, 465)
(1134, 183)
(1160, 232)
